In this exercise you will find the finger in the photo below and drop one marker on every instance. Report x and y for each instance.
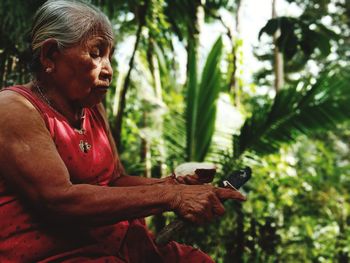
(180, 179)
(208, 213)
(227, 193)
(198, 219)
(191, 179)
(191, 218)
(217, 207)
(170, 180)
(188, 179)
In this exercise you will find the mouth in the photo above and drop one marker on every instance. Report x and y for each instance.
(102, 88)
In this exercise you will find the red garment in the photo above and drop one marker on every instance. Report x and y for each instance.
(26, 237)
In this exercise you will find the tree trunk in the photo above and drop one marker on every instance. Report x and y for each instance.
(154, 66)
(235, 245)
(2, 67)
(234, 83)
(193, 44)
(142, 12)
(158, 220)
(195, 28)
(146, 155)
(118, 88)
(278, 56)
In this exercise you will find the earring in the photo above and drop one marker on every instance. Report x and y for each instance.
(48, 70)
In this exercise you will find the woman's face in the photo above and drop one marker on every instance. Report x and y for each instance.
(83, 72)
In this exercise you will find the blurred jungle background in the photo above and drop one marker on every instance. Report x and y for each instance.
(259, 83)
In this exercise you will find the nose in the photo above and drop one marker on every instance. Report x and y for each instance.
(107, 71)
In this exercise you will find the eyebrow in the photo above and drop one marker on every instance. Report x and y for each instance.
(103, 42)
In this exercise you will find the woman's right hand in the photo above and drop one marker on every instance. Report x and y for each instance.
(201, 203)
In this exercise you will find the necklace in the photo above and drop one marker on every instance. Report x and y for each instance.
(42, 95)
(84, 146)
(48, 102)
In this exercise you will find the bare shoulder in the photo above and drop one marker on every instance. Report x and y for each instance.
(10, 100)
(28, 156)
(21, 125)
(18, 113)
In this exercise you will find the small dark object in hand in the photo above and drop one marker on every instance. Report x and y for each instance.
(237, 178)
(235, 181)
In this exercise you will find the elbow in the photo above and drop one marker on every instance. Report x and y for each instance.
(72, 206)
(58, 206)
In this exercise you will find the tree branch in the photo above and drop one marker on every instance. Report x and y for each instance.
(142, 12)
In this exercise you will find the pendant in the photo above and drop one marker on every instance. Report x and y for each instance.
(84, 146)
(81, 131)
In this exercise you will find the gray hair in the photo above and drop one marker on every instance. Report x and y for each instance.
(69, 23)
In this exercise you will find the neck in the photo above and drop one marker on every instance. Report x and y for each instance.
(52, 96)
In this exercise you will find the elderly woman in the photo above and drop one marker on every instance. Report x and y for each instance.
(64, 196)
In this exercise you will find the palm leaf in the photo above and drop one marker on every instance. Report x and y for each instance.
(192, 101)
(191, 135)
(294, 112)
(174, 135)
(201, 104)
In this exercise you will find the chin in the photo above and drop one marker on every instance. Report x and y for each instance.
(95, 97)
(90, 102)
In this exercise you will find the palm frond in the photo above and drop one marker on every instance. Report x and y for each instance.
(190, 135)
(201, 104)
(192, 101)
(294, 111)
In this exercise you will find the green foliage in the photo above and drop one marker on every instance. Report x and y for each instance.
(296, 142)
(296, 35)
(319, 35)
(297, 208)
(200, 109)
(15, 19)
(297, 110)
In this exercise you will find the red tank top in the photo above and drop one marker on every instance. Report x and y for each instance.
(88, 156)
(86, 152)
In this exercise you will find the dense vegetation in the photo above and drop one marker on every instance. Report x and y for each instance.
(295, 132)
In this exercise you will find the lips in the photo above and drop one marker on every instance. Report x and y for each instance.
(102, 88)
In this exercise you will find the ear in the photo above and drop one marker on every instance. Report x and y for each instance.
(48, 52)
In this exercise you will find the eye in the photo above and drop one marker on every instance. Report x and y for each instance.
(95, 52)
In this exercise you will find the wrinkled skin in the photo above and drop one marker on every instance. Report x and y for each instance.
(80, 77)
(201, 203)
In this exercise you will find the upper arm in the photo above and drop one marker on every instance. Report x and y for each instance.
(29, 160)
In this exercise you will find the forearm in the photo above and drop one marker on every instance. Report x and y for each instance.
(127, 180)
(90, 204)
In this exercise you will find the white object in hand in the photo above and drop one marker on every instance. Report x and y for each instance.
(191, 168)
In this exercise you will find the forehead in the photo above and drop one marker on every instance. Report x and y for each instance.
(99, 41)
(95, 41)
